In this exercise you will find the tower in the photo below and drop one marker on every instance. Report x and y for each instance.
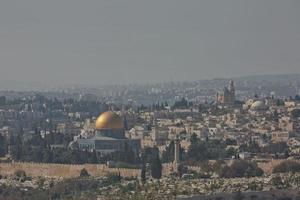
(9, 147)
(177, 151)
(231, 87)
(227, 95)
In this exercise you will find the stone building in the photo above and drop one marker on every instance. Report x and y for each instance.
(109, 136)
(226, 97)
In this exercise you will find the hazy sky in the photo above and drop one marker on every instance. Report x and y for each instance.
(108, 41)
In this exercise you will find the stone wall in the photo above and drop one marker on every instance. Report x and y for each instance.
(68, 171)
(63, 170)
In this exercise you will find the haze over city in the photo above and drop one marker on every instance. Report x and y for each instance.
(150, 100)
(116, 42)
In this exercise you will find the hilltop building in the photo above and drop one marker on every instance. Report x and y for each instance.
(226, 97)
(109, 136)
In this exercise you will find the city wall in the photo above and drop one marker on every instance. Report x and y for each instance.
(63, 170)
(98, 170)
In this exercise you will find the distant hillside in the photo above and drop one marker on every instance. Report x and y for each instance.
(280, 77)
(282, 86)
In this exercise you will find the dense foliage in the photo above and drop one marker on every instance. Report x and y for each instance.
(40, 149)
(287, 166)
(156, 168)
(207, 150)
(241, 168)
(150, 156)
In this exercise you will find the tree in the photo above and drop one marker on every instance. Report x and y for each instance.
(3, 145)
(275, 116)
(229, 141)
(277, 148)
(156, 168)
(252, 147)
(193, 139)
(149, 154)
(17, 148)
(143, 174)
(93, 158)
(47, 155)
(287, 166)
(183, 103)
(200, 150)
(20, 175)
(241, 168)
(168, 154)
(279, 102)
(295, 113)
(230, 152)
(166, 104)
(181, 169)
(84, 173)
(2, 100)
(277, 182)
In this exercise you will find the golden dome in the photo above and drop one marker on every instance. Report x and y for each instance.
(109, 120)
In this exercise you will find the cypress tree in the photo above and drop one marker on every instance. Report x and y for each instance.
(156, 168)
(143, 174)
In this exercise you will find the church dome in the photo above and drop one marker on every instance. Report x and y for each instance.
(109, 120)
(249, 102)
(258, 105)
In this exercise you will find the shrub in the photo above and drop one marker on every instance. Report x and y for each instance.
(254, 186)
(241, 168)
(210, 167)
(84, 173)
(113, 178)
(287, 166)
(20, 175)
(41, 181)
(128, 188)
(277, 182)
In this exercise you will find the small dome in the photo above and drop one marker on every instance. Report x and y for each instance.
(249, 102)
(109, 120)
(258, 105)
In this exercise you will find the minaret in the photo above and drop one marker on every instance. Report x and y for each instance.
(177, 151)
(154, 120)
(231, 86)
(154, 128)
(231, 89)
(111, 107)
(176, 164)
(8, 155)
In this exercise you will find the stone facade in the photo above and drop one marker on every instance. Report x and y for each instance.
(227, 96)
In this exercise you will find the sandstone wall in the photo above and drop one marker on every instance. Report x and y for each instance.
(68, 171)
(63, 170)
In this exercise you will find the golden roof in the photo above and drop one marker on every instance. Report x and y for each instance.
(109, 120)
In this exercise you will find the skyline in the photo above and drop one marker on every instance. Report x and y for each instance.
(35, 86)
(115, 42)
